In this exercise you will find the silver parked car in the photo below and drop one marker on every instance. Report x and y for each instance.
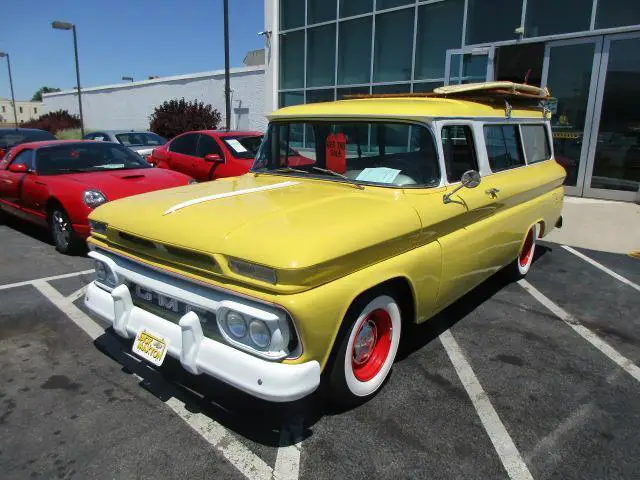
(140, 142)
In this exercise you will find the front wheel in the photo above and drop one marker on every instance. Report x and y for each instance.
(62, 232)
(367, 350)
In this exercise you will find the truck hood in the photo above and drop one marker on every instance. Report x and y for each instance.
(308, 230)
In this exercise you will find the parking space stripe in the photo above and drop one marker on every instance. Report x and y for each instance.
(247, 462)
(601, 267)
(287, 465)
(622, 361)
(45, 279)
(76, 295)
(509, 455)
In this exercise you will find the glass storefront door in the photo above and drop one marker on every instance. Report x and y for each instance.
(614, 157)
(570, 71)
(469, 65)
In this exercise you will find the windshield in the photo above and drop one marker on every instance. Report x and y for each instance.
(86, 157)
(140, 139)
(243, 146)
(378, 153)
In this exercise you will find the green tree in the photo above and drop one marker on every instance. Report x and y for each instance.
(37, 97)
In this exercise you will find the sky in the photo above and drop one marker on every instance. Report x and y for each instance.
(116, 38)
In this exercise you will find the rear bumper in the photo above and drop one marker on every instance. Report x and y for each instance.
(198, 354)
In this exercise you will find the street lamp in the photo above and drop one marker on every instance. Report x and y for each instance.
(130, 79)
(13, 98)
(70, 26)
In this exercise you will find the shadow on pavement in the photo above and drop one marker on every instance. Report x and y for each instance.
(261, 421)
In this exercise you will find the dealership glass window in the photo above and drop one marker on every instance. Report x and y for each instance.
(355, 7)
(321, 55)
(393, 46)
(617, 13)
(382, 4)
(536, 143)
(439, 29)
(354, 52)
(315, 96)
(425, 87)
(320, 10)
(341, 93)
(393, 88)
(291, 14)
(459, 151)
(492, 20)
(288, 99)
(503, 147)
(292, 60)
(548, 17)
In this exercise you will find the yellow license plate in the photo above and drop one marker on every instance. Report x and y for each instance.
(150, 346)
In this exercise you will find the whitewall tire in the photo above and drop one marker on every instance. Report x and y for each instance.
(367, 351)
(517, 269)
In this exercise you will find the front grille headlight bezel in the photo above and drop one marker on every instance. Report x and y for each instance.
(106, 276)
(277, 326)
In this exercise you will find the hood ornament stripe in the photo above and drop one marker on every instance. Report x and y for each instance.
(196, 201)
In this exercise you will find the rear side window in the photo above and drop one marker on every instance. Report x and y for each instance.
(536, 143)
(459, 151)
(186, 144)
(503, 147)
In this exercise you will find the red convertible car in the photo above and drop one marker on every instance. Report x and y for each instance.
(58, 183)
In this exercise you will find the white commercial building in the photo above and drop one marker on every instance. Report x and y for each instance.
(129, 105)
(26, 111)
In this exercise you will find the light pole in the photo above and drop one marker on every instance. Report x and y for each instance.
(130, 79)
(70, 26)
(227, 89)
(13, 97)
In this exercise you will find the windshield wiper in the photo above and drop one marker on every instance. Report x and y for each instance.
(282, 169)
(336, 174)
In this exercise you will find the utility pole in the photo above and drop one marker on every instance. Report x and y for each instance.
(13, 97)
(227, 89)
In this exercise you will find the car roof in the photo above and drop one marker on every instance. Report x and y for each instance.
(230, 133)
(23, 130)
(49, 143)
(120, 131)
(404, 107)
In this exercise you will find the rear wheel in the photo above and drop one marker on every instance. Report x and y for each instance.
(62, 232)
(367, 350)
(517, 269)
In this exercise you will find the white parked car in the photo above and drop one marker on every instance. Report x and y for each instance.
(140, 142)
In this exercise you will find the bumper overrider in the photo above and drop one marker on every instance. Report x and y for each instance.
(202, 345)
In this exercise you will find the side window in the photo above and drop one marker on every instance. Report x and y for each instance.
(459, 151)
(207, 145)
(186, 144)
(536, 143)
(25, 158)
(503, 147)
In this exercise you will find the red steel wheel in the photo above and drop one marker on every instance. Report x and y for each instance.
(371, 345)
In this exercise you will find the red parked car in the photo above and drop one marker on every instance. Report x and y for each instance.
(208, 154)
(58, 183)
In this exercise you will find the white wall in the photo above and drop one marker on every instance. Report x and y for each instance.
(128, 105)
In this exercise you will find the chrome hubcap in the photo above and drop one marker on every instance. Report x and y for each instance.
(364, 342)
(61, 228)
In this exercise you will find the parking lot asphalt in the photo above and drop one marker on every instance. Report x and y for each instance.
(537, 379)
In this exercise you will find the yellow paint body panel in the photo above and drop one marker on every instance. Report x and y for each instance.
(329, 242)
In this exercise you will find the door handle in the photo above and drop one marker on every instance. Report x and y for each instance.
(493, 192)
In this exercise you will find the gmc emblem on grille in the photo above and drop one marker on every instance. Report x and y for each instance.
(163, 301)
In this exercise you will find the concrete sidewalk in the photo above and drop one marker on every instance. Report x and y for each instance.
(599, 225)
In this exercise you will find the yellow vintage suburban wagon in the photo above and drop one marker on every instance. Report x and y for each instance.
(358, 218)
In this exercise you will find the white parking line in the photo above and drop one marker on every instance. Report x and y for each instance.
(613, 355)
(76, 295)
(602, 267)
(509, 455)
(288, 458)
(45, 279)
(247, 462)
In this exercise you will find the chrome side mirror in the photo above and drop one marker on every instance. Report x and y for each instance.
(470, 179)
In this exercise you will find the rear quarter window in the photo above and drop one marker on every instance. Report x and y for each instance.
(504, 149)
(536, 143)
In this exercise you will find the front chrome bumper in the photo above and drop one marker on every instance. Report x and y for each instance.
(198, 354)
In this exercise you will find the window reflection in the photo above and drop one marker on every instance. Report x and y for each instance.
(354, 54)
(321, 55)
(617, 13)
(292, 60)
(393, 46)
(492, 20)
(547, 17)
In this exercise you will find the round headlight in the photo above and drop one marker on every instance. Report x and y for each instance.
(259, 333)
(236, 324)
(101, 270)
(93, 198)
